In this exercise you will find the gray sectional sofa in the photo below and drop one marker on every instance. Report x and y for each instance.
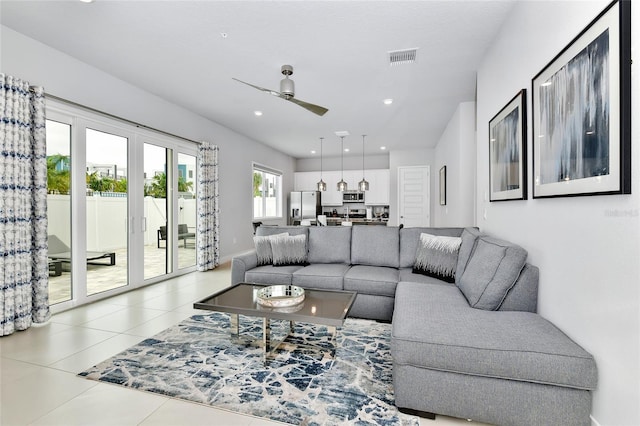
(474, 348)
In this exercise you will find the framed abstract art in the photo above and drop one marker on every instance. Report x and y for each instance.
(582, 112)
(508, 151)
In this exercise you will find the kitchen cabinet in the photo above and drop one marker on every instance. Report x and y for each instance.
(378, 193)
(331, 197)
(306, 181)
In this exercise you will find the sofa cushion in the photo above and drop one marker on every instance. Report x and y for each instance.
(263, 248)
(375, 246)
(492, 270)
(409, 238)
(434, 328)
(437, 256)
(269, 274)
(373, 280)
(289, 250)
(330, 244)
(328, 276)
(469, 237)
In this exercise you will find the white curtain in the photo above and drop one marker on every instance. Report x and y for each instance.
(208, 243)
(24, 270)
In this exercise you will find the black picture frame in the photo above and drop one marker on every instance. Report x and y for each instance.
(443, 186)
(582, 112)
(508, 151)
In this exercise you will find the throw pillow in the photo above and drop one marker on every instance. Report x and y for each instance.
(263, 248)
(289, 250)
(492, 270)
(437, 256)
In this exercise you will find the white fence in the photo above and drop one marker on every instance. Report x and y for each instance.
(107, 219)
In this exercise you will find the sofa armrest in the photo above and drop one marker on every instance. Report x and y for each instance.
(523, 296)
(241, 264)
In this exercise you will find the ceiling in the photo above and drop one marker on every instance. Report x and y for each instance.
(187, 52)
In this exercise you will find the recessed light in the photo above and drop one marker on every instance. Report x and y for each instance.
(383, 148)
(257, 113)
(313, 151)
(388, 101)
(224, 35)
(346, 150)
(86, 1)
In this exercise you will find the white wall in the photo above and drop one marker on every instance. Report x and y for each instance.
(351, 162)
(587, 248)
(456, 149)
(65, 77)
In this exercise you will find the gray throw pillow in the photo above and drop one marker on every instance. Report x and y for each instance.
(437, 256)
(492, 270)
(289, 250)
(263, 248)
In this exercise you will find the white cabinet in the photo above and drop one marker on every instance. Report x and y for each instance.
(306, 181)
(378, 193)
(331, 197)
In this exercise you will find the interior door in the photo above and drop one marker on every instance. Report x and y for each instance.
(414, 196)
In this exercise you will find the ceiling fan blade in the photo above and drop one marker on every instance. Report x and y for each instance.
(272, 92)
(316, 109)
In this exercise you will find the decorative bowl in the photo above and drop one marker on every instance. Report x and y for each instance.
(278, 296)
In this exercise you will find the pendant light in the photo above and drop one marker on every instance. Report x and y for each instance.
(322, 186)
(363, 185)
(342, 185)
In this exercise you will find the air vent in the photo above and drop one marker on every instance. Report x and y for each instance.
(405, 56)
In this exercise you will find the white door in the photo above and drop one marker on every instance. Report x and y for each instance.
(413, 196)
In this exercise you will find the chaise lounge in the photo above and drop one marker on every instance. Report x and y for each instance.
(59, 251)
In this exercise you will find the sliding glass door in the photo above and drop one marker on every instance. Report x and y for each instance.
(121, 202)
(107, 210)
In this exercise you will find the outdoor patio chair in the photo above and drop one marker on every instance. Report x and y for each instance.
(183, 234)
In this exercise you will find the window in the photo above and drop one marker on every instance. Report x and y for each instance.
(267, 192)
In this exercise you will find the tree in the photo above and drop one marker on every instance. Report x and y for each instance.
(58, 181)
(257, 184)
(105, 184)
(158, 188)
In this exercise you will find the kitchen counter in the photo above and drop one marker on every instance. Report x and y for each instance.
(337, 221)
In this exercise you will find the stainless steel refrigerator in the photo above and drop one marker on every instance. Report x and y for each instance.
(304, 205)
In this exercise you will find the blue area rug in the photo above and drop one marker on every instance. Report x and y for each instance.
(198, 360)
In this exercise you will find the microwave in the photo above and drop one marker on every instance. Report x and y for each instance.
(353, 197)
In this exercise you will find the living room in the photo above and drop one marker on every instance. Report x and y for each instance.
(586, 247)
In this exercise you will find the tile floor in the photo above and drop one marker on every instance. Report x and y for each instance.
(38, 367)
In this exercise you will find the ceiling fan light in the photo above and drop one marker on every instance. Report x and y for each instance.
(287, 88)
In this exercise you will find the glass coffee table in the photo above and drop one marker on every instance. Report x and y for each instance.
(323, 307)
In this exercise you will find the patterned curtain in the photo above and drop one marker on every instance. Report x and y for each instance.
(24, 270)
(208, 242)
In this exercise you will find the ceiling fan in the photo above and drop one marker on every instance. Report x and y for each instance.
(287, 91)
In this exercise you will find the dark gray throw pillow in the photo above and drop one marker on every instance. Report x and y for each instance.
(437, 256)
(263, 248)
(289, 250)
